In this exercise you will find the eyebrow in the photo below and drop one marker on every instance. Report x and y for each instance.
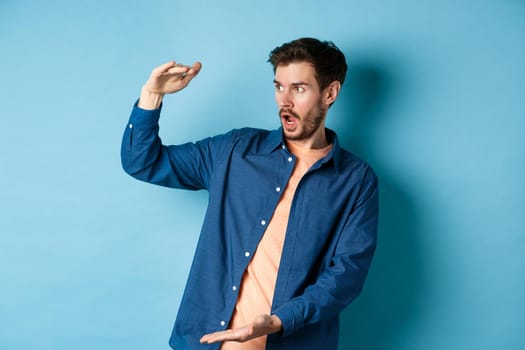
(299, 83)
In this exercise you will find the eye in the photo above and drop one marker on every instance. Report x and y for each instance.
(299, 88)
(279, 87)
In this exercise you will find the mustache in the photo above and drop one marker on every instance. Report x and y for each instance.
(284, 111)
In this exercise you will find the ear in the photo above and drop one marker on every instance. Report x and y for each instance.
(331, 91)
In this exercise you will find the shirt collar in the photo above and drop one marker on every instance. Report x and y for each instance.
(275, 141)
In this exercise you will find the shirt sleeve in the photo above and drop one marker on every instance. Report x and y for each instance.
(342, 281)
(186, 166)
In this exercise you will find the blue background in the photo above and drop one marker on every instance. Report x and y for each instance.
(92, 259)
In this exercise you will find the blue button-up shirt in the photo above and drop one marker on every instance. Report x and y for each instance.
(330, 237)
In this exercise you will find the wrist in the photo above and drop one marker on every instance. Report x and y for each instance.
(276, 324)
(150, 99)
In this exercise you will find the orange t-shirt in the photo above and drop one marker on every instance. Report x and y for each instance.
(258, 282)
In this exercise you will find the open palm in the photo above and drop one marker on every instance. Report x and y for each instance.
(262, 325)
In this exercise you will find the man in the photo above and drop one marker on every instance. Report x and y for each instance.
(291, 224)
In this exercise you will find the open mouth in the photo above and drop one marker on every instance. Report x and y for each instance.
(289, 118)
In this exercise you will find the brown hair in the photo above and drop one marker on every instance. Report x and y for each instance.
(328, 61)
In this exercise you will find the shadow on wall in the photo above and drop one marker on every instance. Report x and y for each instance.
(392, 295)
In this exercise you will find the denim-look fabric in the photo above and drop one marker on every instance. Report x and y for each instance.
(330, 237)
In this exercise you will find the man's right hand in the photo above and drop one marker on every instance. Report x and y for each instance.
(166, 79)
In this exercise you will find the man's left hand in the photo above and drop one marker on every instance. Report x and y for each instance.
(263, 325)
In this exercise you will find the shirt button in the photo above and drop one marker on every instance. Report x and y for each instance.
(290, 159)
(263, 222)
(131, 126)
(277, 189)
(234, 288)
(223, 323)
(246, 254)
(283, 147)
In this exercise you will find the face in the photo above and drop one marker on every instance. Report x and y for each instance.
(300, 101)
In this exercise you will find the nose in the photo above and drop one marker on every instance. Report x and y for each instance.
(284, 99)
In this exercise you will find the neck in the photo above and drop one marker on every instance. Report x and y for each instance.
(317, 141)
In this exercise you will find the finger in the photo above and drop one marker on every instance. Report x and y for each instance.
(184, 70)
(186, 78)
(227, 335)
(196, 66)
(218, 336)
(189, 75)
(212, 337)
(163, 68)
(192, 71)
(178, 70)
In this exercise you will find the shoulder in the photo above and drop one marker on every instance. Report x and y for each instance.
(352, 165)
(243, 140)
(235, 136)
(250, 133)
(256, 140)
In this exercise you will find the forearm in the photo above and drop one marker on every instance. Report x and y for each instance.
(145, 158)
(321, 301)
(140, 143)
(340, 283)
(185, 166)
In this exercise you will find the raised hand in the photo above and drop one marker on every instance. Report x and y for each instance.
(171, 77)
(166, 79)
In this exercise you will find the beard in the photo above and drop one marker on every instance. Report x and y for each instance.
(306, 126)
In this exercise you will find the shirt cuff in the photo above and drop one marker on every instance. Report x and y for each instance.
(144, 117)
(290, 321)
